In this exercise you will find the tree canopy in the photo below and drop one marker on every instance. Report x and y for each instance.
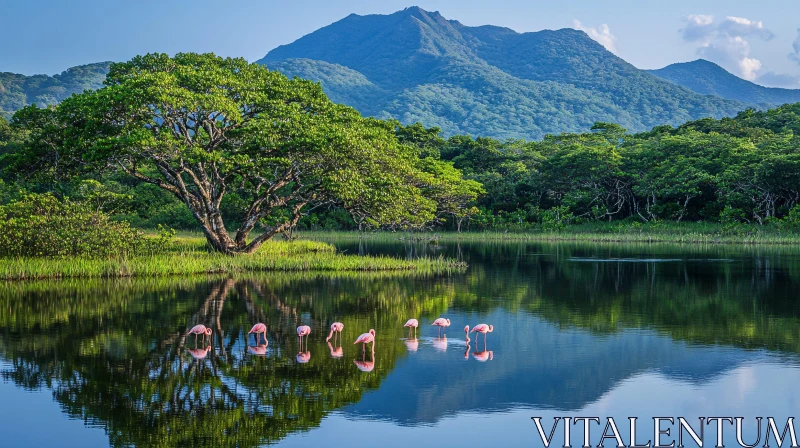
(200, 127)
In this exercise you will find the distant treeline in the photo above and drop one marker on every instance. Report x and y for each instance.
(734, 170)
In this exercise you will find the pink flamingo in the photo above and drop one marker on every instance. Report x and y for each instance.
(258, 329)
(412, 323)
(336, 327)
(303, 330)
(260, 350)
(482, 328)
(441, 323)
(199, 353)
(412, 344)
(336, 352)
(303, 357)
(365, 339)
(200, 329)
(483, 356)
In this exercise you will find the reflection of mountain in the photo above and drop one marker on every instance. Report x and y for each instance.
(538, 366)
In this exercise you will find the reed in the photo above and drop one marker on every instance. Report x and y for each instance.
(189, 257)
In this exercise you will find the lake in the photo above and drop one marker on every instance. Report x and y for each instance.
(579, 330)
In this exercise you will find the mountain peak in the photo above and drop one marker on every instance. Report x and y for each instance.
(415, 65)
(709, 78)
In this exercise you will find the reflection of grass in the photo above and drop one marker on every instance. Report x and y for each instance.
(659, 232)
(189, 256)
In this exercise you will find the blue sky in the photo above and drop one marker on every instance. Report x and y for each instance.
(753, 39)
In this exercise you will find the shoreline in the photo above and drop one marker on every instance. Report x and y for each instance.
(186, 259)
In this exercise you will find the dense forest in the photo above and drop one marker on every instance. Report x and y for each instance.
(744, 169)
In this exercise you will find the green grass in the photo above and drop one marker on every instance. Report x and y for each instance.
(624, 232)
(189, 257)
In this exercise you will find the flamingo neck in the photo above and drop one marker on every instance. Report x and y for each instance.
(491, 328)
(330, 335)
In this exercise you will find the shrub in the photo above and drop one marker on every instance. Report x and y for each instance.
(42, 225)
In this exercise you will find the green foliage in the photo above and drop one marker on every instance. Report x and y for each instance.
(41, 225)
(279, 145)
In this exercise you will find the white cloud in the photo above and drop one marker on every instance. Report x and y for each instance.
(699, 28)
(795, 55)
(741, 27)
(726, 42)
(601, 34)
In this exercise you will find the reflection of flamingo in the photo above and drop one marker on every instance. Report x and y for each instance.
(365, 339)
(260, 350)
(364, 365)
(482, 328)
(336, 327)
(199, 353)
(336, 352)
(467, 341)
(412, 344)
(200, 329)
(412, 323)
(303, 330)
(441, 323)
(258, 329)
(303, 357)
(440, 344)
(483, 356)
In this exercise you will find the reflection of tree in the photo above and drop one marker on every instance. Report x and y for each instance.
(738, 298)
(115, 355)
(112, 351)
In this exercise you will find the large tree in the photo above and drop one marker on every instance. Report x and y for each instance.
(200, 126)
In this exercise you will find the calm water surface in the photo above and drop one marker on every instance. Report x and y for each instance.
(580, 330)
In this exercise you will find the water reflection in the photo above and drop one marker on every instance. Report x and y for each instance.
(199, 353)
(258, 350)
(336, 352)
(114, 353)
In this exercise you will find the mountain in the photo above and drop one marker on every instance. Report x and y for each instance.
(709, 78)
(18, 91)
(415, 65)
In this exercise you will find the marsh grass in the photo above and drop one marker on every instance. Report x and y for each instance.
(189, 256)
(674, 233)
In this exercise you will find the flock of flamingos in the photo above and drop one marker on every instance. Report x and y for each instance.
(303, 331)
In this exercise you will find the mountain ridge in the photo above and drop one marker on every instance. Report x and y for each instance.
(18, 91)
(415, 65)
(708, 78)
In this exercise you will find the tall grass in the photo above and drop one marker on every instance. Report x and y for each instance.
(189, 256)
(676, 233)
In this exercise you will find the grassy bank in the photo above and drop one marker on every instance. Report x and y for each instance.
(188, 256)
(677, 233)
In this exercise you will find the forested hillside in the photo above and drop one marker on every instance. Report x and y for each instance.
(415, 65)
(710, 79)
(17, 91)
